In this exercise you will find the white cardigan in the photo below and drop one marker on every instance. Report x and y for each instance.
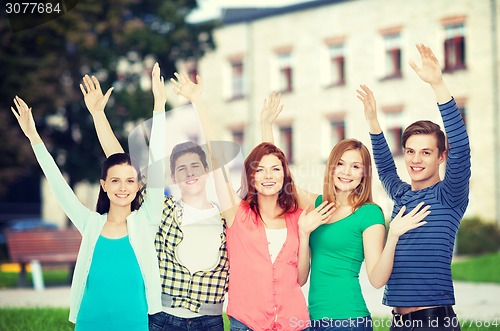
(142, 224)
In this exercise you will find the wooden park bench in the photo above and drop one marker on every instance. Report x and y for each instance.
(43, 246)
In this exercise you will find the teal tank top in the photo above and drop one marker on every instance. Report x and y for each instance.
(115, 296)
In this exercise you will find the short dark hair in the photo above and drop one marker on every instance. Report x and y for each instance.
(425, 127)
(103, 202)
(187, 148)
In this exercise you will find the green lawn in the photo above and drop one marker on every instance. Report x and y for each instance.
(35, 319)
(56, 319)
(50, 277)
(484, 268)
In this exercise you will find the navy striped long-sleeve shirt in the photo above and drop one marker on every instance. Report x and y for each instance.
(421, 274)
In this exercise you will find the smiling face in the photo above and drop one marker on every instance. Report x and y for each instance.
(422, 159)
(349, 171)
(121, 185)
(269, 176)
(190, 174)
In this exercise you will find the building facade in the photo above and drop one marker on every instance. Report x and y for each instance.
(318, 53)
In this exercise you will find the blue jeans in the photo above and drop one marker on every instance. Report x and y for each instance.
(431, 319)
(349, 324)
(165, 322)
(235, 325)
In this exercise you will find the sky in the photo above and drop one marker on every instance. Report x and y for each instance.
(211, 8)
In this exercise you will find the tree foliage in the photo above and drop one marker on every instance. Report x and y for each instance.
(44, 65)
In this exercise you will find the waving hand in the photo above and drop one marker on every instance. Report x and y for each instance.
(25, 119)
(92, 94)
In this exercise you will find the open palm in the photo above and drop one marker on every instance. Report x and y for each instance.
(310, 220)
(186, 87)
(158, 85)
(271, 109)
(430, 71)
(369, 103)
(414, 219)
(92, 94)
(24, 117)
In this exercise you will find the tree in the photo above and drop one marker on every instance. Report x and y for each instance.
(45, 64)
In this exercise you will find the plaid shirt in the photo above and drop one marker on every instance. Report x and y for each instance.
(188, 291)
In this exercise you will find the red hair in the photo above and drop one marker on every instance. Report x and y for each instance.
(287, 197)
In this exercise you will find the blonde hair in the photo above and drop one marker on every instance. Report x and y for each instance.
(363, 192)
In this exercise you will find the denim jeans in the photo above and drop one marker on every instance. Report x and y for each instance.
(349, 324)
(431, 319)
(165, 322)
(236, 325)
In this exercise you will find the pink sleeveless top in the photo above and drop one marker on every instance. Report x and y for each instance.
(263, 295)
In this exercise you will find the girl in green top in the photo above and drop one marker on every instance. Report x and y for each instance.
(354, 232)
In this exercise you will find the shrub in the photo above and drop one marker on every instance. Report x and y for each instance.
(476, 236)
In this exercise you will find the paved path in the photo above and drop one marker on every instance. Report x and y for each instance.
(475, 301)
(25, 297)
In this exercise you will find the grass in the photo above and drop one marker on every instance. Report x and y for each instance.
(43, 319)
(56, 319)
(484, 268)
(35, 319)
(50, 277)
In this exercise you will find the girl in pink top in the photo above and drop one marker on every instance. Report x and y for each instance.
(262, 236)
(265, 294)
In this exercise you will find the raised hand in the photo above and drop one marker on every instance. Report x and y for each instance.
(25, 119)
(271, 109)
(158, 87)
(187, 88)
(92, 94)
(368, 100)
(310, 220)
(430, 71)
(402, 224)
(370, 108)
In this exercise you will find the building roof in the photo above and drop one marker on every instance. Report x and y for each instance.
(248, 14)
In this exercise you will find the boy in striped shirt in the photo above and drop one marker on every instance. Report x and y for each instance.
(420, 288)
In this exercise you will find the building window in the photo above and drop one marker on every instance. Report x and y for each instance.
(462, 108)
(237, 80)
(337, 64)
(286, 142)
(238, 136)
(337, 131)
(194, 138)
(394, 121)
(192, 73)
(392, 56)
(394, 140)
(463, 111)
(285, 72)
(454, 47)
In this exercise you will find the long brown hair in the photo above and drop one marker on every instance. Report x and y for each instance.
(287, 197)
(363, 192)
(103, 203)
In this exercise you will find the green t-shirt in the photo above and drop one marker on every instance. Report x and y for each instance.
(336, 257)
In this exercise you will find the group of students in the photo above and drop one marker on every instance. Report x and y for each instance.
(167, 264)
